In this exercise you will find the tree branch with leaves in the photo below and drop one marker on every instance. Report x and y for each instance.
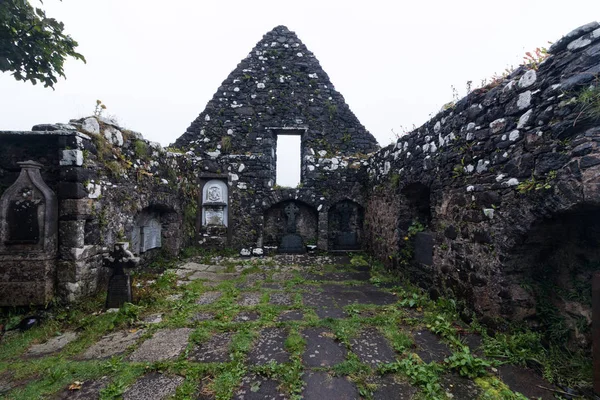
(32, 46)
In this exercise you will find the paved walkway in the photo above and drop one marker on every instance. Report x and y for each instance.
(287, 327)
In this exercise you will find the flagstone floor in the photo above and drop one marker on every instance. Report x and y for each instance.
(279, 328)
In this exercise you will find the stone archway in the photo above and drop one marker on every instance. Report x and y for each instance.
(345, 225)
(290, 217)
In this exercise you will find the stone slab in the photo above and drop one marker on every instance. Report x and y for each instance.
(192, 266)
(282, 276)
(153, 386)
(322, 350)
(202, 316)
(457, 387)
(330, 312)
(112, 344)
(321, 385)
(256, 387)
(166, 344)
(53, 345)
(215, 349)
(281, 299)
(270, 346)
(372, 348)
(390, 387)
(152, 319)
(274, 286)
(430, 347)
(291, 315)
(89, 390)
(208, 298)
(211, 276)
(249, 299)
(246, 316)
(526, 382)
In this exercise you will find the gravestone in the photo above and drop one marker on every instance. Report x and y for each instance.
(147, 232)
(424, 248)
(28, 239)
(291, 242)
(346, 238)
(119, 285)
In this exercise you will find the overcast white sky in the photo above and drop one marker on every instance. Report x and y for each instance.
(156, 64)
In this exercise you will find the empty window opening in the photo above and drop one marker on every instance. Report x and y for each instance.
(288, 160)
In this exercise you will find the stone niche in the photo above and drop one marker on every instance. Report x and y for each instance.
(276, 223)
(345, 223)
(214, 204)
(28, 239)
(147, 232)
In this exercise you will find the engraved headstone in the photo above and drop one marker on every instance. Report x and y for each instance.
(119, 285)
(346, 238)
(291, 243)
(214, 203)
(22, 219)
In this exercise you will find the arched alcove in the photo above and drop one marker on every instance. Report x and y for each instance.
(552, 268)
(345, 223)
(147, 231)
(290, 217)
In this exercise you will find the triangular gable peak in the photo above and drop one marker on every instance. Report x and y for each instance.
(279, 87)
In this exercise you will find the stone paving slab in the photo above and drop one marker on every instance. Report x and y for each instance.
(270, 346)
(215, 349)
(202, 316)
(290, 315)
(526, 382)
(53, 345)
(208, 298)
(390, 387)
(282, 276)
(166, 344)
(372, 348)
(457, 387)
(256, 387)
(338, 276)
(321, 386)
(112, 344)
(330, 312)
(152, 319)
(89, 390)
(322, 350)
(247, 316)
(249, 299)
(153, 386)
(281, 299)
(274, 286)
(211, 276)
(430, 347)
(194, 266)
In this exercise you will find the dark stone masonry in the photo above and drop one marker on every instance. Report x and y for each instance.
(494, 201)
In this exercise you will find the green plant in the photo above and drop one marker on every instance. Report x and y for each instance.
(535, 184)
(140, 149)
(99, 108)
(588, 101)
(34, 47)
(426, 376)
(466, 364)
(226, 143)
(533, 60)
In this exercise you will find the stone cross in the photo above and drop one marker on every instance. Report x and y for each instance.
(119, 285)
(290, 211)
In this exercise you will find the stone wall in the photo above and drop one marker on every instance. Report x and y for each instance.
(106, 179)
(488, 175)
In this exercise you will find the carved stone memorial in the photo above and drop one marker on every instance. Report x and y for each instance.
(147, 232)
(214, 203)
(28, 239)
(291, 242)
(119, 285)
